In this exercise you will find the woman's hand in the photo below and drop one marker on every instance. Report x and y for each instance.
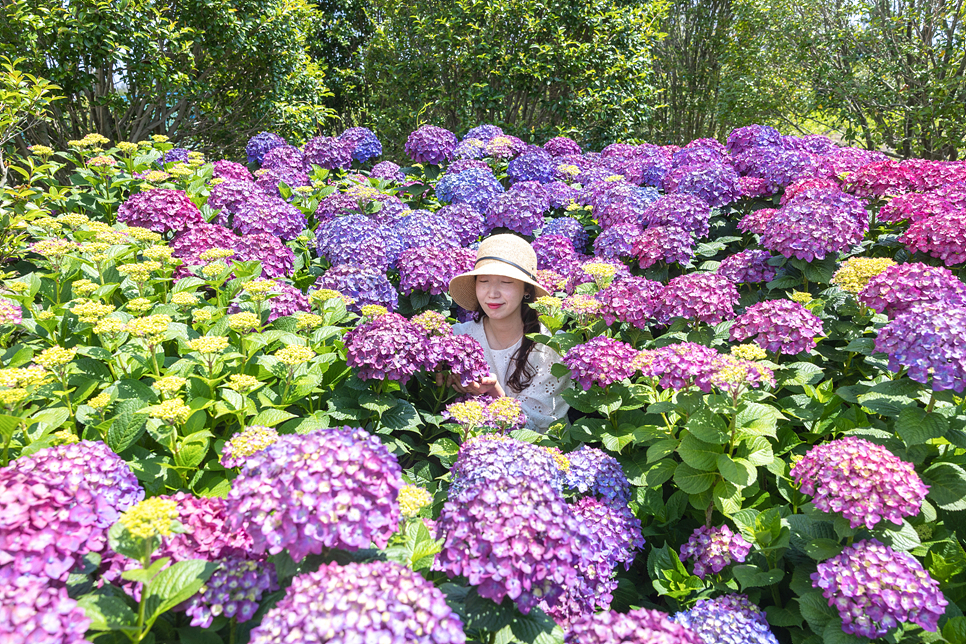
(487, 385)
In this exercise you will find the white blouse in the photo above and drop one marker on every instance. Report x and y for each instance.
(541, 401)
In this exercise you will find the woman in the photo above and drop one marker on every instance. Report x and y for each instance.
(501, 287)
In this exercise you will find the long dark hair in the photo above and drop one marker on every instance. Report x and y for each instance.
(523, 372)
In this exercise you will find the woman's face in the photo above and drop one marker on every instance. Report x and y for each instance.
(499, 296)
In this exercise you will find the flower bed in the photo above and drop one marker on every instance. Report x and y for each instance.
(221, 418)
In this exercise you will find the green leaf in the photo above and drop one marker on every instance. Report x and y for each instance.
(915, 426)
(753, 577)
(401, 417)
(708, 427)
(816, 611)
(8, 427)
(271, 417)
(660, 449)
(123, 542)
(446, 449)
(699, 454)
(174, 585)
(822, 549)
(755, 419)
(788, 616)
(726, 497)
(757, 451)
(692, 481)
(954, 630)
(947, 485)
(737, 470)
(833, 634)
(485, 614)
(128, 424)
(107, 613)
(945, 560)
(798, 374)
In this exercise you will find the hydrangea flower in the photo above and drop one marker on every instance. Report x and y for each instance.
(713, 549)
(466, 221)
(230, 194)
(485, 133)
(536, 165)
(514, 537)
(900, 286)
(553, 251)
(10, 312)
(638, 626)
(561, 195)
(286, 300)
(260, 144)
(360, 241)
(490, 457)
(389, 347)
(35, 611)
(378, 601)
(715, 183)
(277, 259)
(862, 481)
(364, 285)
(160, 210)
(328, 152)
(779, 326)
(778, 166)
(942, 236)
(854, 274)
(618, 241)
(615, 531)
(634, 300)
(595, 472)
(577, 275)
(330, 488)
(732, 375)
(561, 146)
(704, 297)
(879, 179)
(284, 157)
(844, 161)
(928, 338)
(679, 366)
(729, 619)
(92, 465)
(468, 150)
(518, 210)
(253, 438)
(810, 228)
(752, 187)
(268, 214)
(270, 180)
(683, 210)
(504, 147)
(474, 187)
(757, 221)
(429, 269)
(874, 588)
(915, 207)
(233, 591)
(693, 155)
(389, 171)
(461, 355)
(192, 243)
(752, 136)
(618, 203)
(670, 244)
(425, 228)
(748, 267)
(224, 169)
(365, 144)
(601, 360)
(45, 528)
(431, 144)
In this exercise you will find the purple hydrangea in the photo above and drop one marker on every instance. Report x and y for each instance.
(268, 214)
(942, 236)
(757, 221)
(260, 144)
(844, 161)
(560, 194)
(553, 251)
(561, 146)
(778, 166)
(618, 241)
(729, 619)
(160, 210)
(713, 549)
(929, 339)
(577, 276)
(364, 285)
(650, 168)
(638, 626)
(537, 165)
(330, 488)
(862, 481)
(633, 300)
(284, 157)
(425, 228)
(174, 155)
(704, 297)
(91, 465)
(224, 169)
(519, 210)
(36, 612)
(377, 601)
(468, 150)
(504, 147)
(900, 286)
(915, 206)
(286, 300)
(514, 537)
(189, 245)
(616, 532)
(388, 171)
(474, 187)
(46, 527)
(752, 187)
(390, 347)
(365, 143)
(328, 152)
(779, 326)
(622, 204)
(10, 312)
(595, 472)
(270, 181)
(277, 259)
(233, 591)
(485, 133)
(686, 211)
(693, 155)
(752, 136)
(670, 244)
(430, 144)
(715, 183)
(810, 228)
(465, 220)
(461, 355)
(601, 360)
(714, 144)
(814, 143)
(490, 457)
(243, 444)
(748, 267)
(680, 366)
(466, 164)
(357, 240)
(874, 588)
(429, 268)
(230, 194)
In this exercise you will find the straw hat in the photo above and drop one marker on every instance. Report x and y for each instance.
(505, 255)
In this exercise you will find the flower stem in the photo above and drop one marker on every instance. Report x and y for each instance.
(932, 403)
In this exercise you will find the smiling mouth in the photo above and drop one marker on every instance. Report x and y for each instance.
(494, 306)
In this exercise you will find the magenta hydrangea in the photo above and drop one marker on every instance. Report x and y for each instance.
(284, 157)
(224, 169)
(680, 366)
(779, 326)
(160, 210)
(46, 527)
(601, 361)
(429, 269)
(277, 259)
(752, 187)
(327, 152)
(34, 611)
(561, 146)
(901, 285)
(637, 626)
(713, 549)
(363, 284)
(633, 300)
(748, 267)
(285, 300)
(879, 179)
(757, 221)
(270, 181)
(844, 161)
(670, 244)
(460, 355)
(230, 194)
(431, 144)
(929, 340)
(915, 207)
(330, 488)
(269, 214)
(389, 347)
(811, 228)
(512, 537)
(942, 236)
(388, 171)
(377, 601)
(729, 619)
(862, 481)
(704, 297)
(874, 589)
(189, 245)
(10, 312)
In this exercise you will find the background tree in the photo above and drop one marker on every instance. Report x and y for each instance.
(25, 102)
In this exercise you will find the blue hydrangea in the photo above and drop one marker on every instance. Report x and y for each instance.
(425, 228)
(536, 165)
(343, 240)
(729, 619)
(484, 133)
(363, 284)
(366, 144)
(465, 220)
(260, 144)
(571, 229)
(477, 187)
(596, 472)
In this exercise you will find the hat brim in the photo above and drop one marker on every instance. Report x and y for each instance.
(462, 288)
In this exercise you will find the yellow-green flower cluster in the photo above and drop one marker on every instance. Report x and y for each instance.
(74, 219)
(41, 150)
(127, 147)
(102, 161)
(373, 310)
(305, 321)
(802, 297)
(244, 322)
(202, 315)
(748, 352)
(470, 413)
(171, 411)
(599, 270)
(100, 401)
(216, 254)
(20, 288)
(569, 171)
(152, 326)
(109, 326)
(209, 344)
(53, 248)
(412, 499)
(504, 411)
(561, 460)
(92, 140)
(150, 518)
(82, 287)
(294, 354)
(242, 383)
(159, 138)
(855, 273)
(24, 376)
(90, 311)
(63, 437)
(11, 397)
(323, 295)
(548, 302)
(183, 298)
(55, 357)
(139, 305)
(159, 254)
(213, 270)
(170, 385)
(156, 176)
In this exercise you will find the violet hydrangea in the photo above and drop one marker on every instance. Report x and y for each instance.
(389, 347)
(595, 472)
(704, 297)
(365, 144)
(35, 611)
(429, 269)
(901, 285)
(779, 326)
(160, 210)
(260, 144)
(670, 244)
(638, 626)
(633, 300)
(729, 619)
(364, 285)
(748, 267)
(278, 260)
(489, 457)
(600, 360)
(328, 152)
(430, 144)
(683, 210)
(810, 228)
(713, 549)
(461, 355)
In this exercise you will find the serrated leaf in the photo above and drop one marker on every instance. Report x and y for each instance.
(107, 613)
(699, 454)
(816, 611)
(947, 485)
(754, 577)
(660, 449)
(174, 585)
(755, 419)
(822, 549)
(692, 481)
(271, 417)
(915, 426)
(726, 497)
(800, 373)
(737, 470)
(709, 427)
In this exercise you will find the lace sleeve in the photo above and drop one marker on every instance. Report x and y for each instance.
(542, 401)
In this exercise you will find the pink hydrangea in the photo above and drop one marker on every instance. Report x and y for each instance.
(779, 326)
(703, 297)
(942, 236)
